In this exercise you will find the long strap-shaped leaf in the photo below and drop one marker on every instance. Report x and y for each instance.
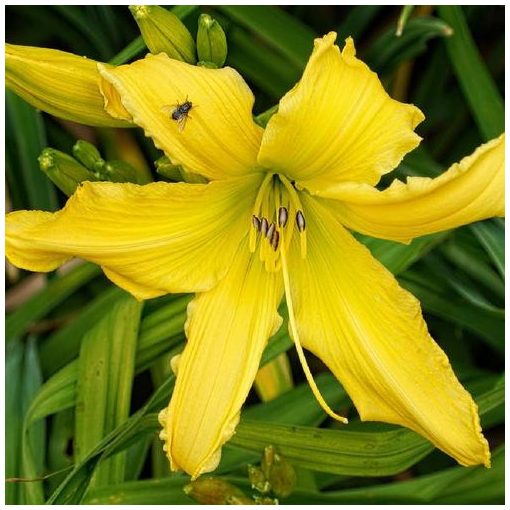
(474, 78)
(302, 445)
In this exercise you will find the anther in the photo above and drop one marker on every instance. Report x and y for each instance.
(300, 221)
(270, 231)
(275, 240)
(256, 223)
(283, 216)
(263, 226)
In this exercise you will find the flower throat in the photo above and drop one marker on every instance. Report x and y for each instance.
(277, 214)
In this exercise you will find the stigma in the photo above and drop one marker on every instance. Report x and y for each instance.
(272, 228)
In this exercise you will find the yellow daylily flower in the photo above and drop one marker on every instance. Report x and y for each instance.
(270, 222)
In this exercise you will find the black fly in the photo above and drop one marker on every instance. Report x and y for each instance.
(179, 112)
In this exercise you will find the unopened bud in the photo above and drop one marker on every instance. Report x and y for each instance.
(119, 171)
(59, 83)
(176, 173)
(211, 41)
(213, 491)
(265, 500)
(258, 480)
(88, 155)
(165, 168)
(163, 31)
(63, 170)
(279, 472)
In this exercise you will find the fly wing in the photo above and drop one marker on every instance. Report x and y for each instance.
(168, 109)
(181, 122)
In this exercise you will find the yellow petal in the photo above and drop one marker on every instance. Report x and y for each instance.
(150, 240)
(471, 190)
(219, 138)
(227, 331)
(58, 83)
(353, 315)
(338, 123)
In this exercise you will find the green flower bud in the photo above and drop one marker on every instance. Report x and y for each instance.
(279, 472)
(211, 41)
(258, 480)
(88, 155)
(176, 173)
(163, 31)
(64, 171)
(165, 168)
(213, 491)
(265, 500)
(119, 171)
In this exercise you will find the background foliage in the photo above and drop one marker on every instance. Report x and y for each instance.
(87, 365)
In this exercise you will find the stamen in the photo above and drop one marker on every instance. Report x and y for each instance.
(256, 208)
(270, 231)
(300, 221)
(283, 216)
(264, 226)
(275, 240)
(294, 332)
(256, 223)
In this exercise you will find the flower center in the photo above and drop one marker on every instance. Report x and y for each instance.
(277, 215)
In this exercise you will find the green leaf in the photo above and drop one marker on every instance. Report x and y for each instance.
(161, 491)
(105, 377)
(469, 261)
(26, 140)
(397, 257)
(13, 419)
(341, 452)
(280, 30)
(73, 488)
(344, 451)
(265, 67)
(59, 454)
(34, 440)
(475, 80)
(453, 309)
(389, 50)
(456, 485)
(66, 341)
(50, 296)
(402, 19)
(461, 284)
(491, 234)
(357, 21)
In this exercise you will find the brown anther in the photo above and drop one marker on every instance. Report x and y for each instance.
(283, 216)
(270, 231)
(263, 226)
(300, 221)
(256, 223)
(275, 240)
